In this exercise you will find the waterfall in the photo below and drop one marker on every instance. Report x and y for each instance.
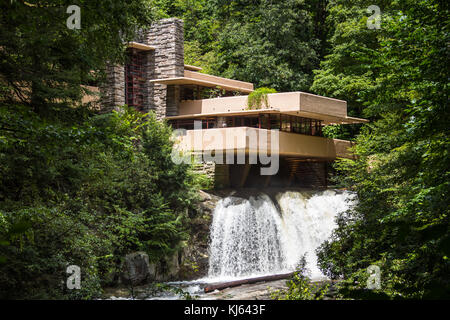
(255, 236)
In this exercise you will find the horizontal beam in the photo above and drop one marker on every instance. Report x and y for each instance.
(306, 105)
(140, 46)
(246, 140)
(191, 68)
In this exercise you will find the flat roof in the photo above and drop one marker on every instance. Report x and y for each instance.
(206, 80)
(191, 67)
(327, 120)
(140, 46)
(191, 81)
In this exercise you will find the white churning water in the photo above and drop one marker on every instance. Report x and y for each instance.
(256, 237)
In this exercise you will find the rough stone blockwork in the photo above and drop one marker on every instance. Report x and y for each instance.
(113, 91)
(148, 88)
(207, 168)
(167, 36)
(166, 61)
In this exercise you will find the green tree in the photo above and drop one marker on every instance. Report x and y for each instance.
(271, 44)
(200, 30)
(77, 187)
(348, 71)
(87, 193)
(43, 62)
(401, 175)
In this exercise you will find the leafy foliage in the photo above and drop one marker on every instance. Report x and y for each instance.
(86, 193)
(300, 287)
(258, 98)
(402, 172)
(78, 187)
(44, 63)
(273, 44)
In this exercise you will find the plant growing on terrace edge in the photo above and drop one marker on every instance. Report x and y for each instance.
(258, 98)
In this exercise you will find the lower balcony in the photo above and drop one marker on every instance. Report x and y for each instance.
(254, 141)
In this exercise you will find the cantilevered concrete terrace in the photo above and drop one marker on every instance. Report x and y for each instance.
(298, 116)
(306, 105)
(247, 140)
(192, 77)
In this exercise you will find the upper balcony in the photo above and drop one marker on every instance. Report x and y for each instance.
(300, 104)
(192, 77)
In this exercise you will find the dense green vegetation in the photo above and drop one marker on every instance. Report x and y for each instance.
(258, 99)
(399, 78)
(396, 76)
(80, 188)
(86, 193)
(300, 287)
(77, 187)
(274, 44)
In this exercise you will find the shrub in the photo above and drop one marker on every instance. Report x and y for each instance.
(86, 192)
(300, 287)
(258, 98)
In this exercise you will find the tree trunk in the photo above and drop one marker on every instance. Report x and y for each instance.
(231, 284)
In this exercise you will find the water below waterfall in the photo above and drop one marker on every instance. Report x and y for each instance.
(260, 236)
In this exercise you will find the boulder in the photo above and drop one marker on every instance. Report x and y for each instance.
(203, 196)
(137, 269)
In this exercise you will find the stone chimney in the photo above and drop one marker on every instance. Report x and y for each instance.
(166, 61)
(167, 37)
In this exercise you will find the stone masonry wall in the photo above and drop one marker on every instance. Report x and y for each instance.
(148, 89)
(219, 173)
(113, 91)
(166, 61)
(167, 36)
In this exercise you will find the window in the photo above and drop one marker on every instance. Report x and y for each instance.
(134, 78)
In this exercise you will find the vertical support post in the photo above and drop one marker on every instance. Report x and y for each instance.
(267, 181)
(244, 175)
(198, 93)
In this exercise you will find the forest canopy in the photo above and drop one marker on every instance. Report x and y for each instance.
(396, 75)
(77, 186)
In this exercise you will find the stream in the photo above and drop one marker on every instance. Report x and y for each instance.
(262, 235)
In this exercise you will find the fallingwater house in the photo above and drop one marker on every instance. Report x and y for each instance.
(156, 78)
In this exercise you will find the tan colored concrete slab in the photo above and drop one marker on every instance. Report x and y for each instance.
(244, 139)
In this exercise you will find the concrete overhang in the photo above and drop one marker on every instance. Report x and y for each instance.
(140, 46)
(248, 140)
(191, 68)
(206, 80)
(223, 114)
(328, 110)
